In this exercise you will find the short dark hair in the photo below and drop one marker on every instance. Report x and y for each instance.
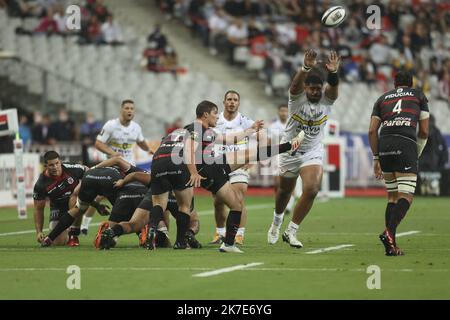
(403, 78)
(312, 79)
(283, 106)
(231, 91)
(124, 102)
(50, 155)
(205, 106)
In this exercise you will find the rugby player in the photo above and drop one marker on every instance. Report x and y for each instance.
(140, 219)
(117, 138)
(57, 183)
(231, 120)
(276, 130)
(309, 108)
(96, 181)
(397, 148)
(186, 159)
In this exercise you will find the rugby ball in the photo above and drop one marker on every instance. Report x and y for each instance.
(334, 16)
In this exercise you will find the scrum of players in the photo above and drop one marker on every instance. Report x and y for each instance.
(214, 153)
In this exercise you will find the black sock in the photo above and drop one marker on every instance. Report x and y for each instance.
(233, 222)
(398, 213)
(266, 152)
(388, 213)
(74, 231)
(182, 225)
(65, 221)
(118, 230)
(156, 215)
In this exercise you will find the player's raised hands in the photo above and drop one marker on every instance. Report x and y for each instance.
(310, 58)
(333, 61)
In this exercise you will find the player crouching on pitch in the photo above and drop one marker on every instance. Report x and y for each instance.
(397, 149)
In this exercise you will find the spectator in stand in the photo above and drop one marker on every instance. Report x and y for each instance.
(158, 37)
(218, 24)
(380, 51)
(41, 131)
(91, 32)
(152, 57)
(169, 61)
(237, 35)
(25, 131)
(64, 128)
(47, 24)
(90, 129)
(100, 11)
(367, 70)
(178, 124)
(111, 32)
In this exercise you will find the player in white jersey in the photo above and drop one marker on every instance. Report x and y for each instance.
(276, 130)
(232, 121)
(308, 110)
(117, 138)
(119, 135)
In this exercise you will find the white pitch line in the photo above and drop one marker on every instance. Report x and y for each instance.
(202, 213)
(407, 233)
(330, 248)
(205, 269)
(229, 269)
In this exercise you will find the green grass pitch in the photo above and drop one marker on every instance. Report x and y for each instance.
(127, 272)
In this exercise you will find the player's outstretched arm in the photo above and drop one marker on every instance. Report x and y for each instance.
(375, 123)
(115, 162)
(142, 177)
(233, 138)
(298, 83)
(331, 89)
(39, 207)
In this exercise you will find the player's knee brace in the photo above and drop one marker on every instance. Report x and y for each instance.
(407, 184)
(391, 185)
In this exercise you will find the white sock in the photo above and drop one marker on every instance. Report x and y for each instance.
(85, 223)
(240, 232)
(292, 228)
(291, 204)
(221, 231)
(278, 218)
(163, 229)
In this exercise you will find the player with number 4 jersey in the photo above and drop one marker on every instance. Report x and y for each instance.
(396, 149)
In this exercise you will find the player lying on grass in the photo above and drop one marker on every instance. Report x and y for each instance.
(60, 183)
(186, 159)
(397, 148)
(107, 235)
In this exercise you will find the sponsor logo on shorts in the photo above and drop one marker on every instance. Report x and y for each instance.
(391, 153)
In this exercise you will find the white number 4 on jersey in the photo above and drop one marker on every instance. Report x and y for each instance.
(398, 107)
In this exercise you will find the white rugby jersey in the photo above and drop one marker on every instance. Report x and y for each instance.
(224, 127)
(309, 117)
(120, 138)
(276, 129)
